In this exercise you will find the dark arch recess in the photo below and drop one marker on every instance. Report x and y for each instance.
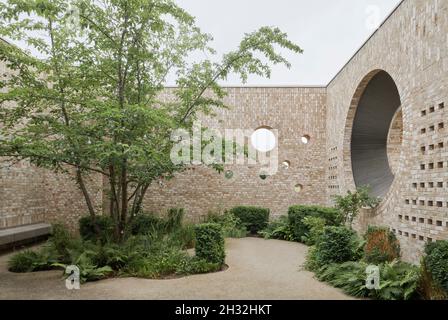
(372, 121)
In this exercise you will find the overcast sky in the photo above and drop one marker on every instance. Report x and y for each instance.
(329, 31)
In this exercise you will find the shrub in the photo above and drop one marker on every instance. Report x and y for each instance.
(232, 226)
(350, 204)
(145, 223)
(311, 261)
(194, 265)
(398, 280)
(29, 261)
(278, 229)
(436, 262)
(381, 245)
(210, 243)
(349, 276)
(88, 270)
(315, 226)
(174, 219)
(61, 242)
(335, 245)
(253, 218)
(428, 288)
(183, 237)
(296, 214)
(104, 224)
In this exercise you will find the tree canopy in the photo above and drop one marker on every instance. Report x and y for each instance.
(88, 97)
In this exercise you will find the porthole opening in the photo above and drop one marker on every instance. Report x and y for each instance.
(298, 188)
(263, 139)
(305, 139)
(228, 174)
(286, 164)
(376, 135)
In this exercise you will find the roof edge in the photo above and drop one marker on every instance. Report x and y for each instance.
(365, 43)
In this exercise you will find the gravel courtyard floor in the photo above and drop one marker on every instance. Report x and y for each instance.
(258, 269)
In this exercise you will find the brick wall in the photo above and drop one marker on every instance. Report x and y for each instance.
(411, 46)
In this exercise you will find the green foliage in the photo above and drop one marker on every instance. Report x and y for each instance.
(102, 230)
(88, 270)
(232, 227)
(350, 204)
(296, 214)
(398, 280)
(335, 245)
(278, 229)
(145, 223)
(196, 266)
(253, 218)
(30, 260)
(381, 245)
(61, 242)
(184, 236)
(156, 254)
(349, 276)
(210, 243)
(436, 262)
(316, 226)
(90, 98)
(429, 289)
(174, 219)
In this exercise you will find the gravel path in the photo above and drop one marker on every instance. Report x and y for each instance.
(258, 269)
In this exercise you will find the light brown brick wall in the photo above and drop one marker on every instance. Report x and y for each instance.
(412, 46)
(294, 112)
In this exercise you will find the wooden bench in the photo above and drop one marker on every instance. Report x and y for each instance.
(11, 237)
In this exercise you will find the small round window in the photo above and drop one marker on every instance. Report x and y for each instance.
(228, 174)
(298, 188)
(263, 140)
(286, 164)
(305, 139)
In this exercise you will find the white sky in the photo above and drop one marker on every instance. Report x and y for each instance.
(329, 31)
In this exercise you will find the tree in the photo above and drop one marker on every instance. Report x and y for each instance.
(350, 204)
(88, 98)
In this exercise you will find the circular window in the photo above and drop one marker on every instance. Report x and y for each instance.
(376, 134)
(263, 140)
(228, 174)
(286, 164)
(298, 188)
(305, 139)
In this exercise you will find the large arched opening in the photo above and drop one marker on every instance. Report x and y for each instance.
(376, 133)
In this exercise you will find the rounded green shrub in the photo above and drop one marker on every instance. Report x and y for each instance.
(23, 261)
(381, 245)
(105, 224)
(436, 261)
(209, 243)
(297, 214)
(253, 218)
(335, 245)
